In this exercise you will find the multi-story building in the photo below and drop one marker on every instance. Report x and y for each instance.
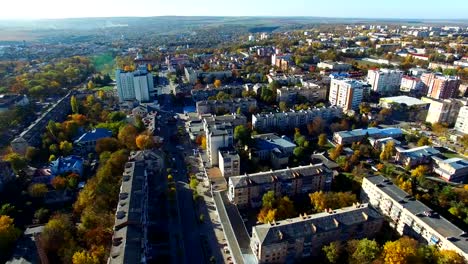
(411, 84)
(348, 137)
(229, 162)
(248, 189)
(311, 93)
(443, 110)
(218, 136)
(347, 93)
(204, 94)
(31, 136)
(439, 86)
(136, 85)
(272, 147)
(415, 156)
(334, 66)
(462, 120)
(86, 143)
(289, 240)
(194, 75)
(291, 119)
(411, 217)
(226, 106)
(384, 81)
(453, 169)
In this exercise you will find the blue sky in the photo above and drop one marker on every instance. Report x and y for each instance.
(427, 9)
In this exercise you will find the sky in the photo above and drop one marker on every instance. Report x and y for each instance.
(421, 9)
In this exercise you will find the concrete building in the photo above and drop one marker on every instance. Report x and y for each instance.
(334, 66)
(229, 162)
(453, 169)
(410, 102)
(415, 156)
(289, 120)
(313, 93)
(443, 110)
(248, 189)
(385, 81)
(218, 136)
(272, 147)
(379, 144)
(194, 75)
(439, 86)
(136, 85)
(348, 137)
(411, 84)
(204, 94)
(289, 240)
(347, 93)
(411, 217)
(226, 106)
(462, 120)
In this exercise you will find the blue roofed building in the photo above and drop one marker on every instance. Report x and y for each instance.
(86, 143)
(348, 137)
(272, 147)
(69, 164)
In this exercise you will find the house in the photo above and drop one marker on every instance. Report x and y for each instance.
(86, 143)
(69, 164)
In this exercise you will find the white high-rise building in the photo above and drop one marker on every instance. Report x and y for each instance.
(136, 85)
(346, 93)
(462, 120)
(384, 80)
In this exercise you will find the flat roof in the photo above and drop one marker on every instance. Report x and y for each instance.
(403, 99)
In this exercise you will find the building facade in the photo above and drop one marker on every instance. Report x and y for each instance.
(462, 120)
(313, 93)
(248, 189)
(411, 217)
(226, 106)
(272, 147)
(348, 137)
(229, 162)
(136, 85)
(439, 86)
(453, 169)
(385, 81)
(443, 110)
(347, 93)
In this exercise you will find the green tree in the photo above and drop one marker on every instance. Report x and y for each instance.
(41, 214)
(423, 141)
(37, 190)
(16, 161)
(74, 104)
(66, 147)
(283, 106)
(363, 251)
(268, 200)
(333, 251)
(242, 135)
(7, 209)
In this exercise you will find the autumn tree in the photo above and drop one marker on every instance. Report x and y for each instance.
(323, 200)
(449, 257)
(333, 251)
(57, 237)
(37, 190)
(66, 147)
(322, 140)
(423, 141)
(8, 232)
(419, 171)
(283, 106)
(316, 127)
(217, 83)
(275, 208)
(402, 250)
(107, 144)
(16, 161)
(59, 183)
(336, 152)
(90, 85)
(364, 108)
(74, 104)
(127, 136)
(388, 151)
(144, 141)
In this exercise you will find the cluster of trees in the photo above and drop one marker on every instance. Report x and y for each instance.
(268, 94)
(331, 200)
(303, 148)
(403, 251)
(8, 233)
(275, 208)
(100, 81)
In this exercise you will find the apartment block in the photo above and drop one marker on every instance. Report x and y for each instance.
(290, 240)
(248, 189)
(439, 86)
(348, 137)
(411, 217)
(334, 66)
(291, 119)
(384, 81)
(411, 84)
(312, 93)
(347, 93)
(229, 162)
(443, 110)
(462, 120)
(137, 85)
(226, 106)
(205, 93)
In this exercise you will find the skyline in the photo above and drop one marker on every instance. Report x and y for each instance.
(397, 9)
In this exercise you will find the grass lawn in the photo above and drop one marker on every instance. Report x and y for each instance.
(450, 155)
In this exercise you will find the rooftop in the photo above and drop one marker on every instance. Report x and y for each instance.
(403, 99)
(271, 141)
(389, 131)
(423, 151)
(94, 135)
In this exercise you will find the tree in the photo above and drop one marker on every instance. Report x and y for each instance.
(324, 200)
(423, 141)
(283, 106)
(7, 209)
(266, 215)
(144, 141)
(449, 257)
(127, 136)
(66, 147)
(217, 83)
(74, 104)
(57, 236)
(37, 190)
(322, 140)
(299, 152)
(388, 151)
(285, 208)
(193, 183)
(400, 251)
(268, 200)
(16, 161)
(8, 232)
(107, 144)
(363, 251)
(242, 134)
(41, 214)
(419, 171)
(332, 251)
(83, 257)
(91, 85)
(59, 183)
(336, 152)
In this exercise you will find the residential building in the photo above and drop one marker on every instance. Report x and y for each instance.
(272, 147)
(229, 162)
(194, 75)
(292, 119)
(130, 243)
(31, 136)
(453, 169)
(248, 189)
(204, 94)
(289, 240)
(86, 143)
(379, 143)
(348, 137)
(439, 86)
(313, 93)
(443, 110)
(411, 217)
(385, 81)
(462, 120)
(334, 66)
(218, 136)
(226, 106)
(407, 101)
(137, 85)
(347, 93)
(68, 164)
(415, 156)
(411, 84)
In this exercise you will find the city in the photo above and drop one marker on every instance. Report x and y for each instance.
(283, 137)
